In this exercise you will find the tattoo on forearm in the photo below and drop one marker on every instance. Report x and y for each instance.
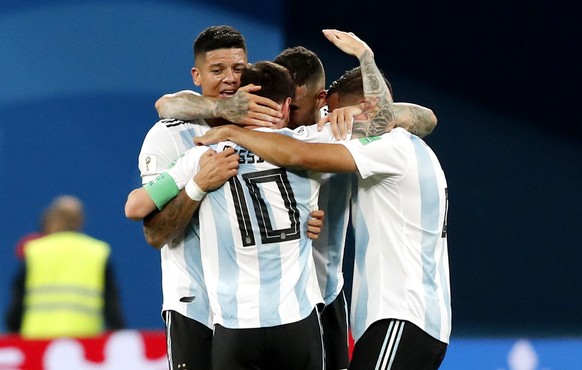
(377, 100)
(188, 107)
(170, 223)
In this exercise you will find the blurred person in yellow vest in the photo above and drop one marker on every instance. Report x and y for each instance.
(65, 287)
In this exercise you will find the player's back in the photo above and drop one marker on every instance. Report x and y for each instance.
(258, 261)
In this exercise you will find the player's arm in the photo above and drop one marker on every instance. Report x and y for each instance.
(242, 108)
(377, 105)
(284, 151)
(168, 203)
(160, 227)
(414, 118)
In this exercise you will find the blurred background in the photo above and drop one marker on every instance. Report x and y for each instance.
(78, 82)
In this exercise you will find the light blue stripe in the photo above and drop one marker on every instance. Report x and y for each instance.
(199, 309)
(362, 239)
(187, 136)
(228, 272)
(337, 224)
(430, 208)
(301, 186)
(270, 270)
(269, 259)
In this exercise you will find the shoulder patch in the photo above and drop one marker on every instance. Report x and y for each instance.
(368, 139)
(148, 164)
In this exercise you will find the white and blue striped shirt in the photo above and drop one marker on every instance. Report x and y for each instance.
(258, 261)
(183, 287)
(328, 248)
(401, 266)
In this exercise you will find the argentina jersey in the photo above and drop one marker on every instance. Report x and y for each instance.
(401, 268)
(258, 261)
(328, 248)
(183, 285)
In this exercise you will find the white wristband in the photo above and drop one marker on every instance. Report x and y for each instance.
(193, 191)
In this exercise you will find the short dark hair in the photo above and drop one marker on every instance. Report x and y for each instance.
(352, 83)
(303, 64)
(275, 81)
(218, 37)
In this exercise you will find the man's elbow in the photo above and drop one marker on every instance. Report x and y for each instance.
(428, 127)
(133, 211)
(162, 104)
(432, 119)
(132, 214)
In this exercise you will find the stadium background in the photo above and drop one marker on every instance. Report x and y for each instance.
(78, 81)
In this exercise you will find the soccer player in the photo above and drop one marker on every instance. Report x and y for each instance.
(307, 108)
(401, 315)
(220, 56)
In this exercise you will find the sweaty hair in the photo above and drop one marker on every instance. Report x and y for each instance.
(303, 64)
(275, 81)
(218, 37)
(351, 83)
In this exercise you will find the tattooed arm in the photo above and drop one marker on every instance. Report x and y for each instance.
(242, 108)
(209, 170)
(414, 118)
(162, 227)
(377, 105)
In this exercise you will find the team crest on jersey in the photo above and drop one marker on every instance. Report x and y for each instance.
(148, 164)
(369, 139)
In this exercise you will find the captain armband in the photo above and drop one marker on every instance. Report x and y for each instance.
(162, 189)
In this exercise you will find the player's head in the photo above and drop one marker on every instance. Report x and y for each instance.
(309, 76)
(220, 57)
(348, 89)
(276, 84)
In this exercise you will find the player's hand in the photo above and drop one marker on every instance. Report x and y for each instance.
(245, 108)
(347, 42)
(315, 224)
(341, 121)
(215, 135)
(215, 169)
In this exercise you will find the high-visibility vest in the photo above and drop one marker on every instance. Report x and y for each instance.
(64, 288)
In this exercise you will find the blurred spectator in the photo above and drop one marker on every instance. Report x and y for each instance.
(65, 287)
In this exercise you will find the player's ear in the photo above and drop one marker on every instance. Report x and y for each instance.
(321, 98)
(195, 76)
(286, 107)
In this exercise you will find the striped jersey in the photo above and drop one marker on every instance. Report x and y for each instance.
(401, 268)
(328, 249)
(183, 285)
(258, 260)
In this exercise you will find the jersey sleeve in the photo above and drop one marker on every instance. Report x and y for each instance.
(187, 166)
(158, 152)
(388, 154)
